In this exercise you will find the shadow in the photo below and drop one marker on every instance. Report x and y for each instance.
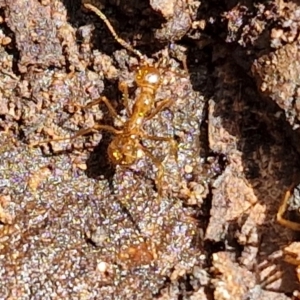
(220, 70)
(12, 48)
(98, 165)
(269, 159)
(128, 18)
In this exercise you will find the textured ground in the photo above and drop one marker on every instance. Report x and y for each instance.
(74, 226)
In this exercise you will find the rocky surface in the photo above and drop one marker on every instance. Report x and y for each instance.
(74, 226)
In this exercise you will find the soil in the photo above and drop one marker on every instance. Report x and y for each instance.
(75, 226)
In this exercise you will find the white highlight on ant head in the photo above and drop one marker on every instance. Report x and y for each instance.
(152, 78)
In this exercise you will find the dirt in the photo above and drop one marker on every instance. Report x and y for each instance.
(75, 226)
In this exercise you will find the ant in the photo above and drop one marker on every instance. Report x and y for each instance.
(126, 148)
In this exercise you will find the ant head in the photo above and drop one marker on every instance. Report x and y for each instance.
(148, 76)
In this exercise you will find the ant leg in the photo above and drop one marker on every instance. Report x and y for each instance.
(171, 141)
(157, 162)
(160, 106)
(123, 87)
(106, 102)
(81, 132)
(160, 169)
(282, 209)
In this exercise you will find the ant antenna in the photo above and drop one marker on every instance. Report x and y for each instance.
(123, 43)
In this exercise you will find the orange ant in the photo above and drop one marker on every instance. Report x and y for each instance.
(125, 148)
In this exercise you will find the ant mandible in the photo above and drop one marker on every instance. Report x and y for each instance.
(126, 148)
